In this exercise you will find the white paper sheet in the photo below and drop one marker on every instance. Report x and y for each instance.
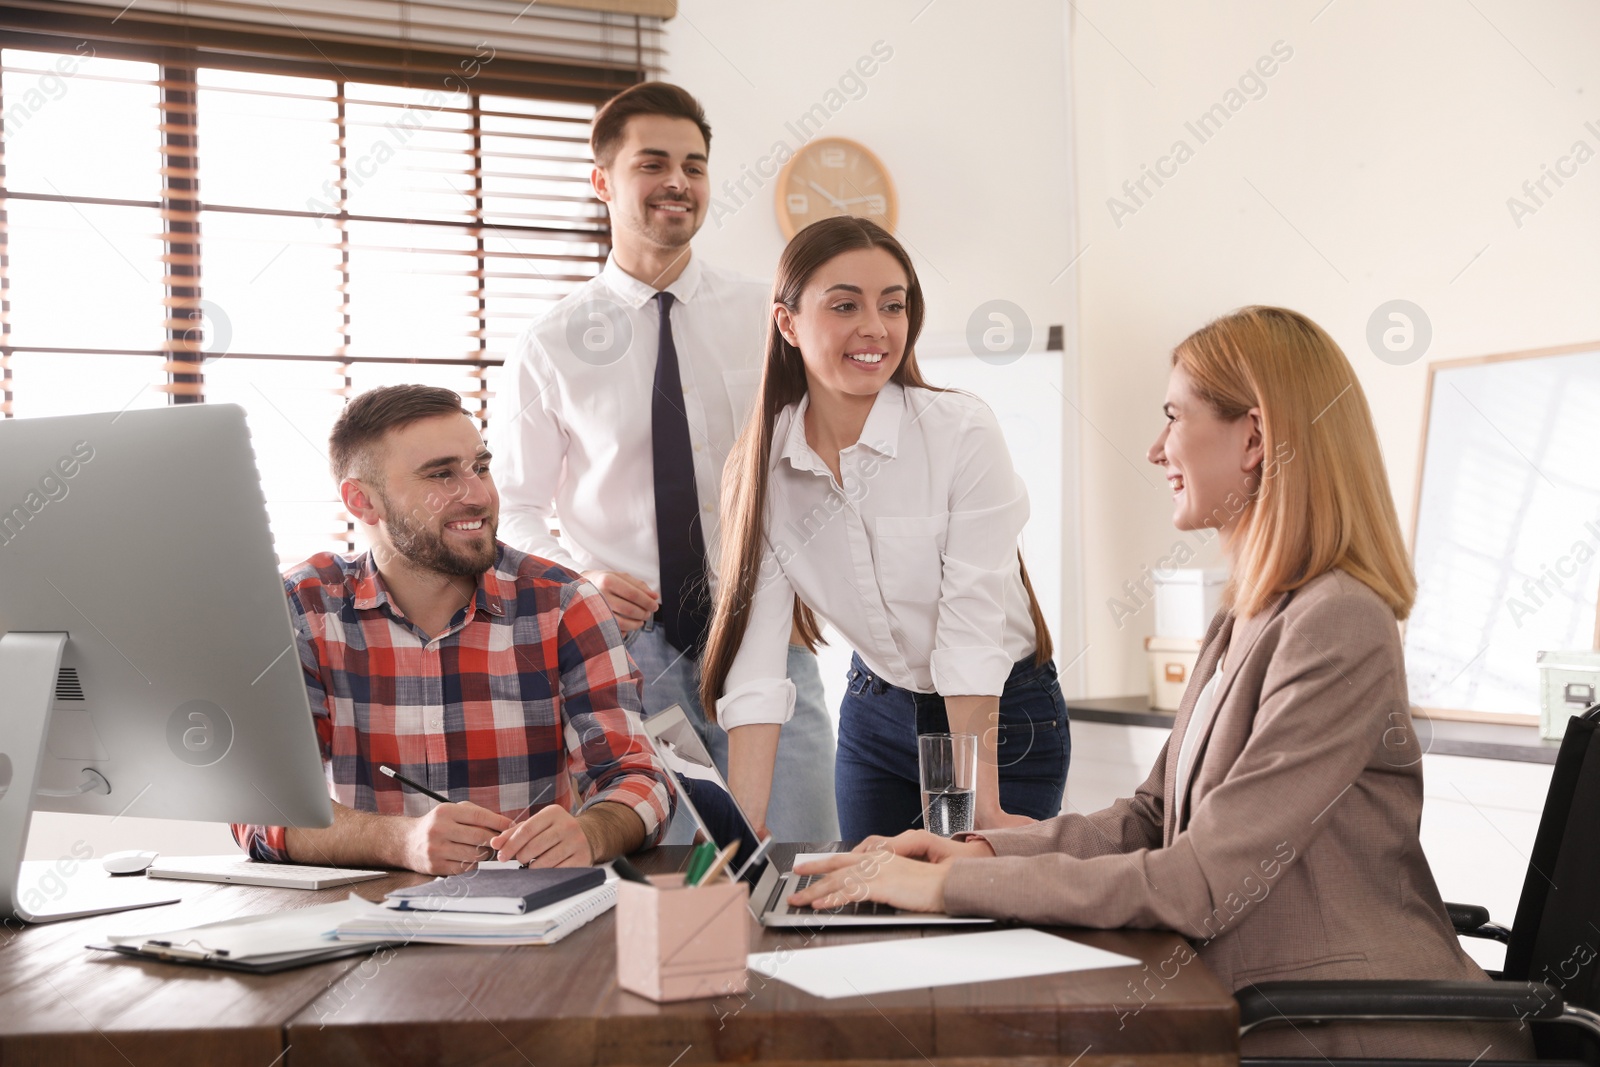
(925, 962)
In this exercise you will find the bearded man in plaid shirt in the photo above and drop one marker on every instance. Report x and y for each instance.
(495, 678)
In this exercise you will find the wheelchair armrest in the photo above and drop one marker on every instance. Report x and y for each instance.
(1472, 920)
(1466, 917)
(1410, 1000)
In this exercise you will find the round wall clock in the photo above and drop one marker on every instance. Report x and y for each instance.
(834, 176)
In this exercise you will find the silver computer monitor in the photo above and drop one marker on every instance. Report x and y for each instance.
(147, 660)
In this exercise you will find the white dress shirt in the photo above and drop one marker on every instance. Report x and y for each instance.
(913, 558)
(571, 436)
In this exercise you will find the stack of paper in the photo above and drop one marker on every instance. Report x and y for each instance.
(543, 926)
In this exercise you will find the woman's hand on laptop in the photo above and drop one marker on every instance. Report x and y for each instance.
(922, 845)
(880, 875)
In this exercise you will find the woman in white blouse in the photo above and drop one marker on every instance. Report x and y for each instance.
(862, 495)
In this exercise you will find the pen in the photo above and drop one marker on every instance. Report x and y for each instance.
(628, 871)
(403, 780)
(699, 860)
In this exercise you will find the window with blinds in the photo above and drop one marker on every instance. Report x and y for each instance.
(175, 232)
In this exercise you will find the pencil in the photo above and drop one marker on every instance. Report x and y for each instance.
(403, 780)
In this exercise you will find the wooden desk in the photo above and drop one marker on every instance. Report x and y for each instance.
(559, 1005)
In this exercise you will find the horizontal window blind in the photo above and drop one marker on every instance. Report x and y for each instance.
(628, 36)
(173, 231)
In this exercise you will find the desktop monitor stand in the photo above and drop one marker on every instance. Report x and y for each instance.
(49, 890)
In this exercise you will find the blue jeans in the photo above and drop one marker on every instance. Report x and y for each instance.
(876, 778)
(802, 804)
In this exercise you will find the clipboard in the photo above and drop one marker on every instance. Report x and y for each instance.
(272, 964)
(255, 944)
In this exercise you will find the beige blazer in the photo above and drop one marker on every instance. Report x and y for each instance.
(1293, 853)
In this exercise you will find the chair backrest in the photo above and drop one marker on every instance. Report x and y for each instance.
(1556, 938)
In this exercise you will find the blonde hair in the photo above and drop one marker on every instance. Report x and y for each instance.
(1321, 498)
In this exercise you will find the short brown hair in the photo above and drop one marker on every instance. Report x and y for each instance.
(364, 421)
(646, 98)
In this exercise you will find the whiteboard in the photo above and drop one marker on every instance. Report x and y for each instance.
(1507, 543)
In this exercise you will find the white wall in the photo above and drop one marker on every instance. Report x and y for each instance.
(972, 126)
(54, 835)
(1375, 165)
(1384, 150)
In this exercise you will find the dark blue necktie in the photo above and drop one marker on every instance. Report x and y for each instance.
(685, 609)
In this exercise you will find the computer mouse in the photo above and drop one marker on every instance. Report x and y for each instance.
(131, 862)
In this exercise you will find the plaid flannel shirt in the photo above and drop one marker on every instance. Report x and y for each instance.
(527, 698)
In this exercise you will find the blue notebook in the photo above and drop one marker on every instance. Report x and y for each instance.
(504, 892)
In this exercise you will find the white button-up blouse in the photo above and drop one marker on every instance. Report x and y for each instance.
(912, 557)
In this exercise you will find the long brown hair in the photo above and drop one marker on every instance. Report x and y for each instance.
(783, 382)
(1322, 499)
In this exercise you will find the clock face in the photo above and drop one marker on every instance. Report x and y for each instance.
(834, 176)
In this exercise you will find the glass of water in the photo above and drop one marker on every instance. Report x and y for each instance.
(949, 769)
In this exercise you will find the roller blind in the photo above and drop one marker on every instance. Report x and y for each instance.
(178, 230)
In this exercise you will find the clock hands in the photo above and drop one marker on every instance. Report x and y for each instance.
(875, 201)
(835, 201)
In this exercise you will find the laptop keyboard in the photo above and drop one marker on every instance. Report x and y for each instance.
(854, 907)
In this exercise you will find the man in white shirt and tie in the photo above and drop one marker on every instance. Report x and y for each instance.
(616, 414)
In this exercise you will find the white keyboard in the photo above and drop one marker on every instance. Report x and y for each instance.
(248, 872)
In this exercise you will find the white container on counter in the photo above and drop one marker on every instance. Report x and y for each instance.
(1172, 661)
(1186, 600)
(1568, 683)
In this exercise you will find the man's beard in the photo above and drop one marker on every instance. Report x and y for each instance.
(664, 234)
(425, 548)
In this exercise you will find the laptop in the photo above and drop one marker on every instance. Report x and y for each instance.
(767, 868)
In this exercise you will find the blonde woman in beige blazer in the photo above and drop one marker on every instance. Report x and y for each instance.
(1278, 828)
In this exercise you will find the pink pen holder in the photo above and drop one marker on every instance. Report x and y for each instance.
(677, 942)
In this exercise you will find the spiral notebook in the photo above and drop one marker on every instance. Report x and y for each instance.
(544, 926)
